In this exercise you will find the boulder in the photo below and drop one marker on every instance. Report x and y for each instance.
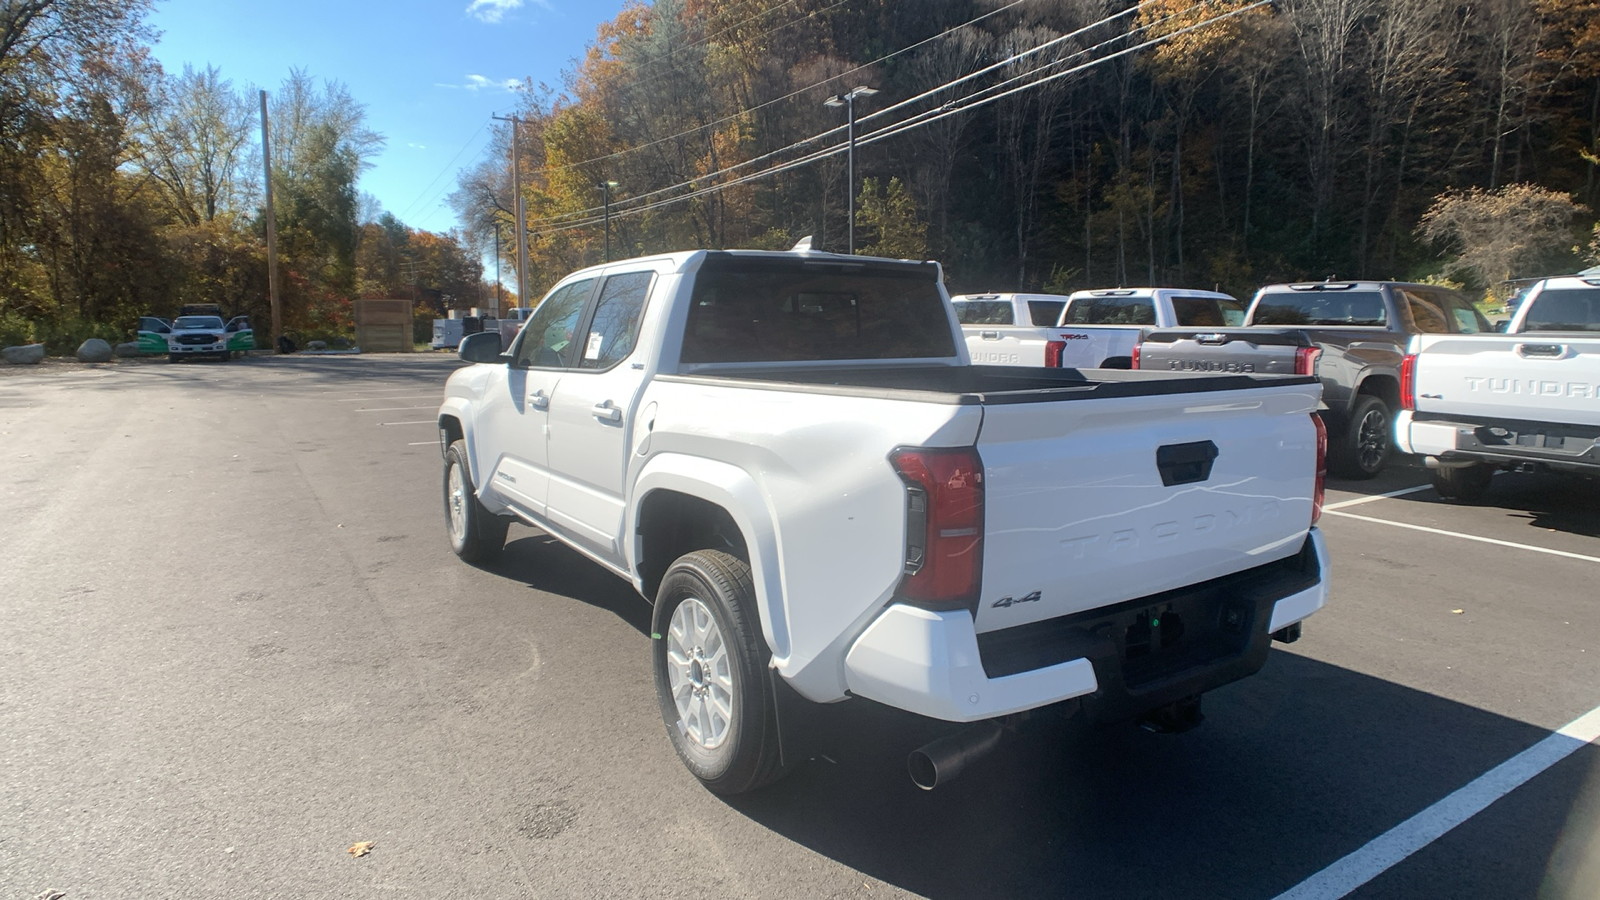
(25, 355)
(94, 350)
(316, 345)
(128, 350)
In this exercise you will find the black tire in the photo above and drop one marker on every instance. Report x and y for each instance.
(1361, 451)
(1462, 484)
(745, 754)
(225, 356)
(172, 357)
(477, 535)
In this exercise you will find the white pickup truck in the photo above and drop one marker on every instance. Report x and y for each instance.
(1529, 398)
(791, 456)
(1092, 329)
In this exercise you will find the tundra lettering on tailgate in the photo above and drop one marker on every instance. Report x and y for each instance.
(1209, 365)
(1533, 387)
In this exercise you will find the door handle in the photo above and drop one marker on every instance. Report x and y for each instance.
(1545, 351)
(539, 400)
(605, 412)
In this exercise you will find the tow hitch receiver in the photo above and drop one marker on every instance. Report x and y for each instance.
(1174, 718)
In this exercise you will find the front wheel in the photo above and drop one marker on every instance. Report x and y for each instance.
(1462, 484)
(475, 533)
(1361, 451)
(710, 670)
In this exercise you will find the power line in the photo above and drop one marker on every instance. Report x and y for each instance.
(897, 128)
(789, 96)
(446, 168)
(925, 94)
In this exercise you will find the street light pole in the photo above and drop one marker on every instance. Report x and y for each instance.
(848, 101)
(605, 192)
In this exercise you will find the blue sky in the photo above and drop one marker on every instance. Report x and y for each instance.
(430, 72)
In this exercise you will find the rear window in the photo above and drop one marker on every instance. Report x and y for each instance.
(1568, 310)
(1045, 312)
(1110, 311)
(1321, 308)
(1208, 312)
(986, 312)
(779, 310)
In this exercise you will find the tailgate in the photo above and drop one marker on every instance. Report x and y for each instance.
(1542, 377)
(999, 345)
(1237, 351)
(1079, 512)
(1088, 346)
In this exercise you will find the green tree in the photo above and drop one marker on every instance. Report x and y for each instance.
(890, 215)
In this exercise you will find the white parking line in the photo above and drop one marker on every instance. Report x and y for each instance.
(1360, 500)
(390, 408)
(422, 443)
(1467, 537)
(423, 422)
(394, 397)
(1422, 829)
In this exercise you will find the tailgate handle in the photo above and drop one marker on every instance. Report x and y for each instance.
(1551, 351)
(1211, 339)
(1185, 463)
(991, 335)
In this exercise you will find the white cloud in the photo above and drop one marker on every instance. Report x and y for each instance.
(416, 146)
(491, 11)
(480, 83)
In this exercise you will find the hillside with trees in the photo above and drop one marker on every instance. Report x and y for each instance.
(1298, 139)
(127, 191)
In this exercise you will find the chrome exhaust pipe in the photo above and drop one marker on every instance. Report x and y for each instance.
(947, 757)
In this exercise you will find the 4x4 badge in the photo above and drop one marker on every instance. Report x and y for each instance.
(1008, 601)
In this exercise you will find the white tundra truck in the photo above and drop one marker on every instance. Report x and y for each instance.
(791, 456)
(1086, 330)
(1529, 398)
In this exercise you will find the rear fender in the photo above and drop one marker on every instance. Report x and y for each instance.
(736, 492)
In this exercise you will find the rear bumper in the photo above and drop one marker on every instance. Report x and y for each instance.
(935, 664)
(1559, 446)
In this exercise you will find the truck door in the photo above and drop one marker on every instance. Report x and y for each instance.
(241, 336)
(513, 453)
(153, 334)
(591, 418)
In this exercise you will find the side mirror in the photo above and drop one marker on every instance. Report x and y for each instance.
(483, 347)
(1502, 326)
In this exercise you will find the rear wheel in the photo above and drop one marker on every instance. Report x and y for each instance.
(172, 357)
(1462, 484)
(710, 669)
(1362, 450)
(475, 533)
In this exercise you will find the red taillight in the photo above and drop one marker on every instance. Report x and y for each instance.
(1408, 382)
(1305, 360)
(1134, 354)
(944, 526)
(1321, 488)
(1052, 353)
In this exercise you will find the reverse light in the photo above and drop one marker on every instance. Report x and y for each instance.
(1320, 490)
(944, 526)
(1408, 382)
(1305, 360)
(1134, 354)
(1052, 353)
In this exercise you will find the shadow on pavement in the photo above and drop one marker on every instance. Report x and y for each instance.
(1292, 769)
(545, 564)
(1543, 500)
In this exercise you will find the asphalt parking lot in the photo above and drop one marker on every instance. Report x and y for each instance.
(233, 643)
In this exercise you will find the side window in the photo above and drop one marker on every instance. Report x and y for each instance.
(546, 340)
(1465, 316)
(1426, 314)
(616, 320)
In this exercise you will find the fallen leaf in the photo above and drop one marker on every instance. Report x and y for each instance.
(362, 848)
(1457, 611)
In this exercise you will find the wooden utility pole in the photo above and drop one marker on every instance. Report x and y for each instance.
(518, 211)
(272, 228)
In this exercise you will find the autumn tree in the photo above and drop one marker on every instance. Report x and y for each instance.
(1520, 229)
(889, 215)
